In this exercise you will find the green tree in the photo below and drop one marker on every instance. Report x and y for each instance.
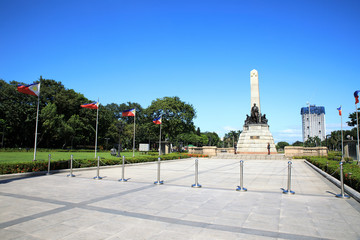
(281, 145)
(298, 143)
(231, 138)
(213, 138)
(198, 132)
(19, 112)
(76, 127)
(352, 121)
(192, 138)
(312, 142)
(203, 140)
(53, 126)
(177, 116)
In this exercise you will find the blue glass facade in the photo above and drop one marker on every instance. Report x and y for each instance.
(313, 110)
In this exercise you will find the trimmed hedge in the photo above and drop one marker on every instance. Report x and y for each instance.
(8, 168)
(329, 165)
(62, 150)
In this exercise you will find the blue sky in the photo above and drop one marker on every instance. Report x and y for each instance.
(202, 51)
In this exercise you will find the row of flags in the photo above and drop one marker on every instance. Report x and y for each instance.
(126, 113)
(34, 89)
(356, 96)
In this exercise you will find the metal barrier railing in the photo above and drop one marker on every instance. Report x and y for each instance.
(48, 172)
(123, 171)
(196, 185)
(71, 167)
(241, 187)
(288, 191)
(98, 170)
(342, 194)
(158, 182)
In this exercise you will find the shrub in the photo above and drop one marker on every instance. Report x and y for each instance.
(350, 169)
(21, 167)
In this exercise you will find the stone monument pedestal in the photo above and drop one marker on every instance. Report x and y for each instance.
(254, 140)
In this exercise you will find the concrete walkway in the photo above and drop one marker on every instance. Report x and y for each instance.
(59, 207)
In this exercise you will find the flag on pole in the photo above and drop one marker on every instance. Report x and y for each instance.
(356, 95)
(157, 120)
(129, 113)
(339, 109)
(94, 105)
(32, 89)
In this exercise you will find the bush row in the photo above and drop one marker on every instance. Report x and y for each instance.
(59, 150)
(8, 168)
(351, 170)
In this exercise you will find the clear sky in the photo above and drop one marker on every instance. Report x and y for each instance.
(202, 51)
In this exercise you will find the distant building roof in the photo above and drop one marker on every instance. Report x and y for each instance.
(313, 110)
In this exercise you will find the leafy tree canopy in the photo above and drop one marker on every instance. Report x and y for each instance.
(177, 116)
(281, 145)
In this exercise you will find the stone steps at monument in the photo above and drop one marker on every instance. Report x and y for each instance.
(251, 156)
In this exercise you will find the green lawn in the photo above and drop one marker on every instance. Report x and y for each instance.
(9, 157)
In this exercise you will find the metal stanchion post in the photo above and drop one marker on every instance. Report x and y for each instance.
(288, 191)
(71, 166)
(123, 170)
(98, 170)
(342, 194)
(241, 187)
(196, 185)
(48, 173)
(158, 182)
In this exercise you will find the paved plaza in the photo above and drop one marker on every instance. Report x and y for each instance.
(59, 207)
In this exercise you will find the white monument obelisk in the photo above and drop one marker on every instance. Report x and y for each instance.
(254, 89)
(256, 135)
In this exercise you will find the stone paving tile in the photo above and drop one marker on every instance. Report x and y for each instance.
(58, 207)
(11, 233)
(57, 231)
(87, 234)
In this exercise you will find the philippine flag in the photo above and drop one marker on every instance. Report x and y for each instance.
(94, 105)
(356, 95)
(129, 113)
(32, 89)
(157, 120)
(339, 108)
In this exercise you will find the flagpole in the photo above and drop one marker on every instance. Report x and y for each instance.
(97, 118)
(134, 135)
(37, 120)
(357, 125)
(160, 137)
(342, 139)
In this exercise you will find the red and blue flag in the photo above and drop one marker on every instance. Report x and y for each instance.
(94, 105)
(356, 95)
(32, 89)
(157, 120)
(129, 113)
(339, 109)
